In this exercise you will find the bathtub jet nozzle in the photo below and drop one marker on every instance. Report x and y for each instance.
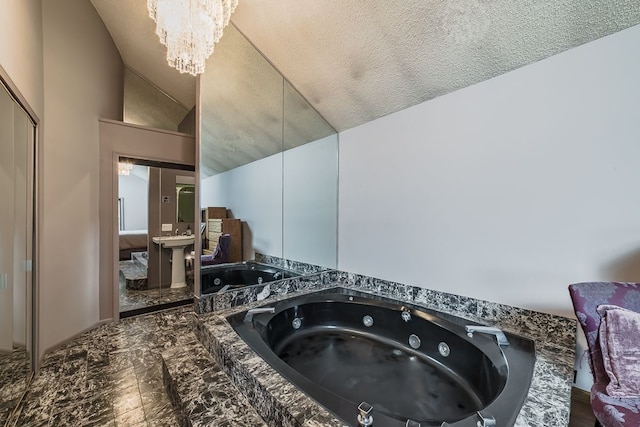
(249, 316)
(500, 336)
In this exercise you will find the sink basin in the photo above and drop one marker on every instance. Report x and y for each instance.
(174, 241)
(177, 245)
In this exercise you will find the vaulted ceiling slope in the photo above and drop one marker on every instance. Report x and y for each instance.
(358, 60)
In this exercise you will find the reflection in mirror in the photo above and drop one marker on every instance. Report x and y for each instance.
(186, 199)
(302, 123)
(241, 106)
(267, 156)
(310, 184)
(241, 142)
(149, 197)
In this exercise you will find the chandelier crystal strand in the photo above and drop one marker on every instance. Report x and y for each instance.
(189, 29)
(124, 168)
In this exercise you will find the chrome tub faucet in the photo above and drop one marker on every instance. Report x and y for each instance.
(500, 336)
(249, 316)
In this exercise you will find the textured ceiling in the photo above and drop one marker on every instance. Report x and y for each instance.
(145, 105)
(359, 60)
(248, 110)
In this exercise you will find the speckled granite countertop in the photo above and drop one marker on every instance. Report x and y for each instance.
(281, 404)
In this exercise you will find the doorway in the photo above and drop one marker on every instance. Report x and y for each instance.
(151, 204)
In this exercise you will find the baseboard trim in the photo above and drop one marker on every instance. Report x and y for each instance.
(73, 337)
(581, 395)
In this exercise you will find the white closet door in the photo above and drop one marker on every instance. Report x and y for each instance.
(6, 220)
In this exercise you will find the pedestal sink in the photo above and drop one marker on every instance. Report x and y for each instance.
(177, 244)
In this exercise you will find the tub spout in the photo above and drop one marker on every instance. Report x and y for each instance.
(500, 336)
(365, 419)
(249, 316)
(486, 420)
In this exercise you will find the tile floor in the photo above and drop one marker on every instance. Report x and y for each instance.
(14, 372)
(111, 376)
(131, 300)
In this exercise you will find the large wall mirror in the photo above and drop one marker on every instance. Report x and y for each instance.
(267, 156)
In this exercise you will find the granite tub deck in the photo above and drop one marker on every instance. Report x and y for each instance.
(248, 294)
(309, 277)
(206, 390)
(280, 403)
(201, 393)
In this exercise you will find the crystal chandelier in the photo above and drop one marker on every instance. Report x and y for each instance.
(124, 168)
(189, 29)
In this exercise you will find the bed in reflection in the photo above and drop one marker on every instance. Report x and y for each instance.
(132, 241)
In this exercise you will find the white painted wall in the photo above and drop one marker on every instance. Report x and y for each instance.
(134, 190)
(310, 206)
(508, 190)
(253, 193)
(82, 82)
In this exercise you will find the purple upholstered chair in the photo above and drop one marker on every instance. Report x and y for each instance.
(610, 411)
(221, 254)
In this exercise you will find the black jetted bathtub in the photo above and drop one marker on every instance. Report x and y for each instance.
(364, 356)
(214, 278)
